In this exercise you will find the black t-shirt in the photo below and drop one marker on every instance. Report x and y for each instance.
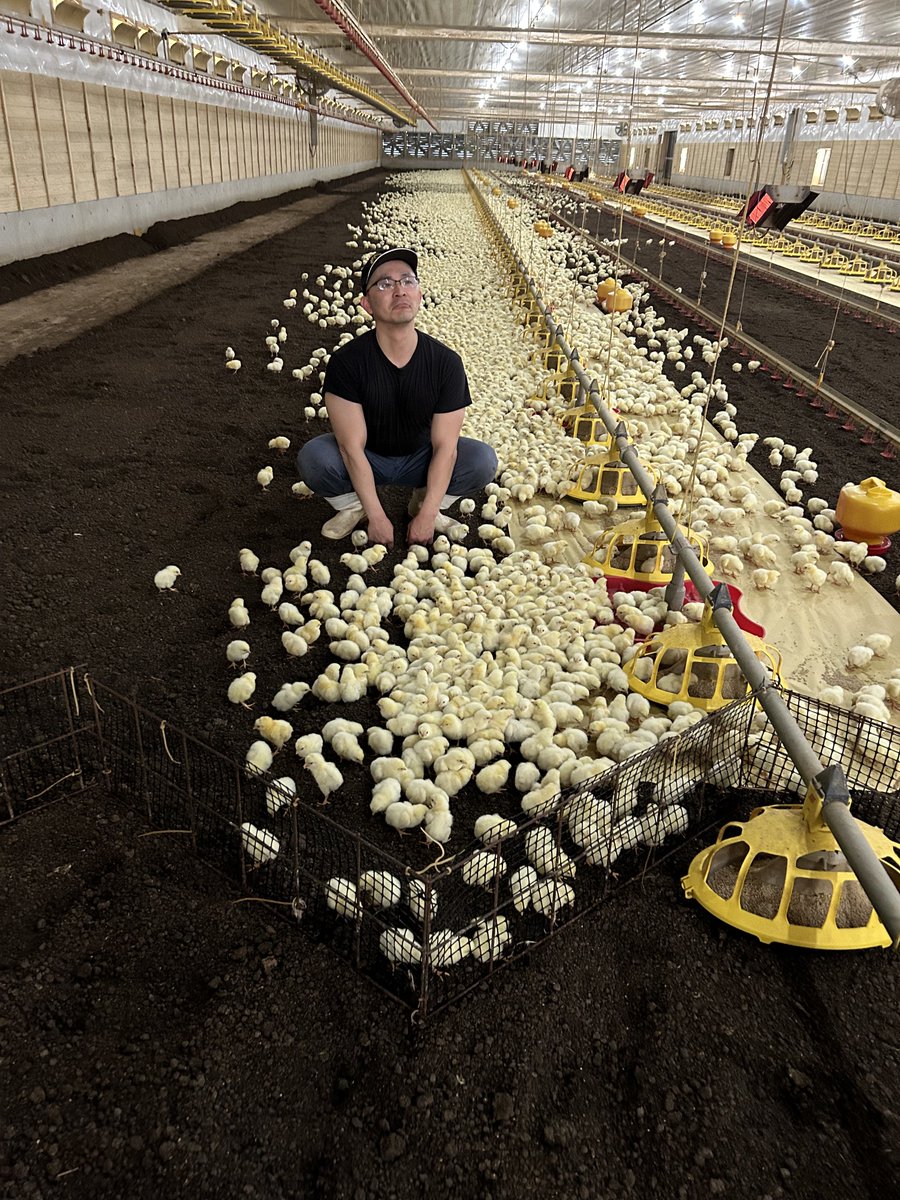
(398, 402)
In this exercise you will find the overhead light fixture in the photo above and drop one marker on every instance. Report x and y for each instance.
(738, 20)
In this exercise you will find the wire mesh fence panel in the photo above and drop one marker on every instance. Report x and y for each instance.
(46, 743)
(427, 936)
(867, 750)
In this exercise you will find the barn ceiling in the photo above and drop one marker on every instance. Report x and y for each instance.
(567, 61)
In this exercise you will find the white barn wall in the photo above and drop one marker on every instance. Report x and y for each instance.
(863, 177)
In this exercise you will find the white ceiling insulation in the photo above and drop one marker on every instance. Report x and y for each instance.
(572, 61)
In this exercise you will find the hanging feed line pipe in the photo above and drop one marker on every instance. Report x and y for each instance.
(874, 879)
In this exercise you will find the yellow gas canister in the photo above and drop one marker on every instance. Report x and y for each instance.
(868, 512)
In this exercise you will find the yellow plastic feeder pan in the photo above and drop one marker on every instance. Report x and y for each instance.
(729, 240)
(543, 229)
(591, 431)
(554, 359)
(495, 191)
(693, 662)
(605, 477)
(640, 550)
(604, 289)
(868, 512)
(512, 203)
(638, 211)
(782, 877)
(716, 235)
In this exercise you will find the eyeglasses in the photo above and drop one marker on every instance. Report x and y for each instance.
(386, 284)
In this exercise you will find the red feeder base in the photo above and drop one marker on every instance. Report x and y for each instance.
(691, 595)
(874, 547)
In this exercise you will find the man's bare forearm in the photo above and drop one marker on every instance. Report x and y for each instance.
(440, 472)
(360, 471)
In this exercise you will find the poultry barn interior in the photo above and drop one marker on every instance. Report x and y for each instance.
(333, 868)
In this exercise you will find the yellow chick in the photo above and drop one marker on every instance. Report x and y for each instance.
(165, 579)
(274, 730)
(265, 476)
(237, 614)
(248, 561)
(241, 689)
(258, 759)
(237, 652)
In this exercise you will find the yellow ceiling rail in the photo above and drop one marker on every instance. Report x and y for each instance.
(245, 27)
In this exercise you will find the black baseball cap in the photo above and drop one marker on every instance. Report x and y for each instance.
(398, 253)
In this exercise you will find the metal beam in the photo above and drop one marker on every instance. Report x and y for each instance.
(786, 89)
(697, 43)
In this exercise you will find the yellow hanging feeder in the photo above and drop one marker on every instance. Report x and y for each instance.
(590, 429)
(606, 477)
(782, 877)
(693, 662)
(640, 550)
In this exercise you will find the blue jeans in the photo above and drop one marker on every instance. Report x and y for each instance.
(323, 470)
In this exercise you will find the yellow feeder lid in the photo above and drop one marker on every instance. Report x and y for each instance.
(729, 239)
(716, 235)
(618, 300)
(868, 511)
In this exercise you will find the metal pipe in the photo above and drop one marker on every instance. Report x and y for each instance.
(874, 880)
(348, 24)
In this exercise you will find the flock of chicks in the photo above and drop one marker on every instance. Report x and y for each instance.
(511, 651)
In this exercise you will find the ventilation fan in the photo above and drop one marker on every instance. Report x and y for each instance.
(622, 129)
(888, 98)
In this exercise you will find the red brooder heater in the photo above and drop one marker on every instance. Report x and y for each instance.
(775, 204)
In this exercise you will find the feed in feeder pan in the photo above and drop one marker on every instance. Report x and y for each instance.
(868, 512)
(781, 875)
(639, 553)
(693, 662)
(606, 477)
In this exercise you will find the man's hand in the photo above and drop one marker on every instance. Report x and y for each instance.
(421, 529)
(381, 531)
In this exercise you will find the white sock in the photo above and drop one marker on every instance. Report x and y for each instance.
(448, 502)
(348, 500)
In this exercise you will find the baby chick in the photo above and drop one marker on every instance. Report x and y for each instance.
(237, 652)
(241, 689)
(237, 613)
(265, 476)
(289, 694)
(258, 758)
(249, 561)
(259, 845)
(165, 579)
